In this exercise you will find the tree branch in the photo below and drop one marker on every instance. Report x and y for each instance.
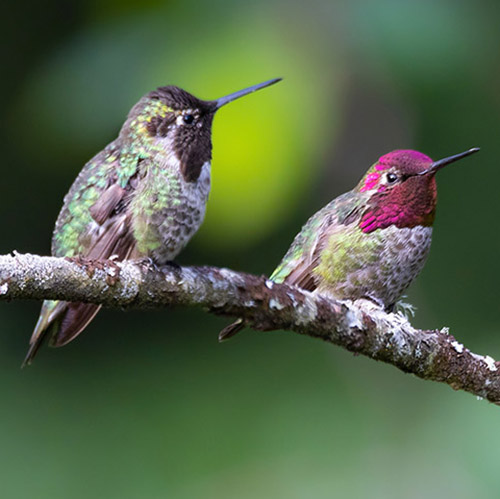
(360, 327)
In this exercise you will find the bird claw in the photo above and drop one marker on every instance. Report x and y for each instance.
(148, 263)
(379, 303)
(170, 266)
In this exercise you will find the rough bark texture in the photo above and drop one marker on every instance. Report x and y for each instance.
(360, 327)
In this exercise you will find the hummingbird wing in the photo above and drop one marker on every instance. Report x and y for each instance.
(109, 237)
(299, 263)
(94, 224)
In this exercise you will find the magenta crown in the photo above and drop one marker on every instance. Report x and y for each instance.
(405, 160)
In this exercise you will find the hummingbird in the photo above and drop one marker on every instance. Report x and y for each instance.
(370, 242)
(142, 197)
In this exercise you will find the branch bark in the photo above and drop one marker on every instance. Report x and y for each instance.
(360, 327)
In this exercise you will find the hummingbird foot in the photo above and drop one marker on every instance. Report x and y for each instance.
(378, 302)
(148, 263)
(173, 265)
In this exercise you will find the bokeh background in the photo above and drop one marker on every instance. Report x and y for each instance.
(147, 404)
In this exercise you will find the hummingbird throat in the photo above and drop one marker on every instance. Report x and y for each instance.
(409, 204)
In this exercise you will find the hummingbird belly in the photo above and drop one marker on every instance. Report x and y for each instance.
(379, 265)
(173, 212)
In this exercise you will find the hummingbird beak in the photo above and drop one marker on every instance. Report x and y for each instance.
(236, 95)
(437, 165)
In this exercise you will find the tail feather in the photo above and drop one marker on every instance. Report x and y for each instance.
(49, 313)
(76, 318)
(33, 349)
(62, 322)
(231, 330)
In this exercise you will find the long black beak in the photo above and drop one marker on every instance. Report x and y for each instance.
(236, 95)
(437, 165)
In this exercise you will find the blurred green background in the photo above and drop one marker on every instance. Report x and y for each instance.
(147, 404)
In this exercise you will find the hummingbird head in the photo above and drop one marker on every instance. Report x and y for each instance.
(401, 189)
(183, 123)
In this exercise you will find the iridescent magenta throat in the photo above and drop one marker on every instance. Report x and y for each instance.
(387, 216)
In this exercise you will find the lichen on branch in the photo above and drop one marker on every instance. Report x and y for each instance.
(360, 326)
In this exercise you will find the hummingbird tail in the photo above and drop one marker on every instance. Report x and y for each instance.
(48, 315)
(65, 321)
(33, 349)
(231, 330)
(76, 318)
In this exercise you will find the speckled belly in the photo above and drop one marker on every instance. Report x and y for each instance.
(389, 261)
(166, 219)
(175, 227)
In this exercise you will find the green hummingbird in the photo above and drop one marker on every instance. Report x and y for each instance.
(142, 197)
(370, 242)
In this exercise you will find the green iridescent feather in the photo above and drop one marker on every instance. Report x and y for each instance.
(303, 255)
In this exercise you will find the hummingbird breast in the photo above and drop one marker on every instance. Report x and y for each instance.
(379, 265)
(167, 211)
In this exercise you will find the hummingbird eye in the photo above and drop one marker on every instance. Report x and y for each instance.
(188, 119)
(391, 178)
